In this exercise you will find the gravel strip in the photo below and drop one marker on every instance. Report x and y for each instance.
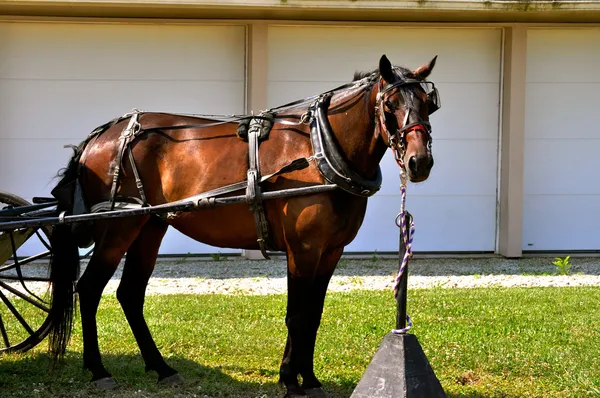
(269, 277)
(236, 275)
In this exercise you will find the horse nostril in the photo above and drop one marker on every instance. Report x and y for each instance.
(430, 165)
(412, 164)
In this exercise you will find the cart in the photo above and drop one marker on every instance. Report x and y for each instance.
(23, 278)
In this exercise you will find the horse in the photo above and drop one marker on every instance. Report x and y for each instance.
(340, 135)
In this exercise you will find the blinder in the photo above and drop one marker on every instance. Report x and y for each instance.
(433, 99)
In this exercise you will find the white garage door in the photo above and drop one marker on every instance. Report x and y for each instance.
(561, 209)
(455, 210)
(58, 81)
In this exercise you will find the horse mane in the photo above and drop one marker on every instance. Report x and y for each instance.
(402, 72)
(362, 74)
(71, 171)
(77, 151)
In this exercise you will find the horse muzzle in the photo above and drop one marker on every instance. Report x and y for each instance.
(419, 166)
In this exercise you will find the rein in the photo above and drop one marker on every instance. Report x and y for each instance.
(304, 119)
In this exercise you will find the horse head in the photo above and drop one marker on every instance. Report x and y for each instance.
(404, 101)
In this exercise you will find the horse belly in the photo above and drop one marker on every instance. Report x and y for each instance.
(230, 226)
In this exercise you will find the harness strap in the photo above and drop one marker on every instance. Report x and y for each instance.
(297, 164)
(233, 118)
(329, 158)
(127, 135)
(138, 181)
(280, 120)
(253, 190)
(241, 119)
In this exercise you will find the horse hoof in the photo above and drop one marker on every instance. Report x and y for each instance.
(105, 383)
(294, 392)
(317, 392)
(173, 380)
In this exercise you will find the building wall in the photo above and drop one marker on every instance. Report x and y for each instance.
(514, 57)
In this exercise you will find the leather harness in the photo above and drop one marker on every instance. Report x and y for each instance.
(328, 156)
(253, 191)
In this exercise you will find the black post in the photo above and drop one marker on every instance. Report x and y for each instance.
(403, 285)
(399, 368)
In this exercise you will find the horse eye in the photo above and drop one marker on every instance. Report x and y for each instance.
(389, 105)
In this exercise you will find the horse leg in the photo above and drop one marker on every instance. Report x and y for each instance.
(306, 294)
(296, 322)
(139, 265)
(113, 240)
(329, 260)
(306, 297)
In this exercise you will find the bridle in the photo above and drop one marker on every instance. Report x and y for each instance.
(396, 140)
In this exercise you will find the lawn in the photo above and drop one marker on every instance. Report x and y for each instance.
(492, 342)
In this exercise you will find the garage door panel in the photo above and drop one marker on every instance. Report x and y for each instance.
(75, 108)
(347, 49)
(562, 111)
(561, 180)
(280, 93)
(559, 166)
(462, 167)
(469, 111)
(121, 51)
(439, 224)
(465, 130)
(29, 167)
(561, 222)
(58, 81)
(454, 223)
(562, 55)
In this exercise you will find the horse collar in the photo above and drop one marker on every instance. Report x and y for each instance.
(329, 158)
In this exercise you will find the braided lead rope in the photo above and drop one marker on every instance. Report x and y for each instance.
(407, 237)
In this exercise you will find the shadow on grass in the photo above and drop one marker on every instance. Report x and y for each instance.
(479, 395)
(29, 375)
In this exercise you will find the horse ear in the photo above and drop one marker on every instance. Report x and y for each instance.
(425, 70)
(385, 69)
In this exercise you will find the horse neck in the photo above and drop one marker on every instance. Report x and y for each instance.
(353, 122)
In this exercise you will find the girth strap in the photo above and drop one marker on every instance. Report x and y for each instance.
(253, 190)
(138, 181)
(127, 135)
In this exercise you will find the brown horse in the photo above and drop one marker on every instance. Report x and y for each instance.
(342, 136)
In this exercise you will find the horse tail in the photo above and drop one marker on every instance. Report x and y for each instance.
(64, 271)
(64, 263)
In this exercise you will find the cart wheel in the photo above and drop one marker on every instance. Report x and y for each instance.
(24, 288)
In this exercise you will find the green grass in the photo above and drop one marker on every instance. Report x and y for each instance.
(495, 342)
